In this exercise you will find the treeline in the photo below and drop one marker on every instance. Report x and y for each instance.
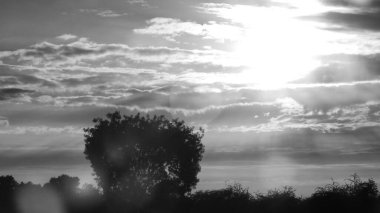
(63, 194)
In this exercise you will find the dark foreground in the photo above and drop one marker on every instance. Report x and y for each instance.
(63, 195)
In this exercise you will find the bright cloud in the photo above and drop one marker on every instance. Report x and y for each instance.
(171, 28)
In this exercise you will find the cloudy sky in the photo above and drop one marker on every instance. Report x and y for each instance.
(287, 90)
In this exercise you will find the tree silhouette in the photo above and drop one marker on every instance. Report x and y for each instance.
(89, 189)
(135, 157)
(66, 188)
(8, 186)
(64, 184)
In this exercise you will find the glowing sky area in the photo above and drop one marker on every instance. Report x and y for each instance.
(288, 91)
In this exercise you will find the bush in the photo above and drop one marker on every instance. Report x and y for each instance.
(278, 200)
(234, 198)
(354, 196)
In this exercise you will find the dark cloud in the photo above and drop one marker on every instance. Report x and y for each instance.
(79, 111)
(95, 79)
(302, 146)
(87, 54)
(13, 159)
(363, 20)
(326, 98)
(237, 115)
(36, 114)
(9, 93)
(353, 3)
(108, 83)
(14, 76)
(3, 122)
(345, 68)
(30, 114)
(51, 51)
(314, 97)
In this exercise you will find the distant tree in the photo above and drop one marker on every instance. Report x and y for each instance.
(64, 184)
(33, 198)
(138, 155)
(90, 200)
(8, 186)
(89, 189)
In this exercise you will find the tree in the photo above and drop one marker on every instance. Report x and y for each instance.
(136, 155)
(89, 190)
(64, 184)
(8, 186)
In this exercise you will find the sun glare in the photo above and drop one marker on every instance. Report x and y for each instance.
(277, 47)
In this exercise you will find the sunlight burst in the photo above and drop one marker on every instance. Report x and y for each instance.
(277, 47)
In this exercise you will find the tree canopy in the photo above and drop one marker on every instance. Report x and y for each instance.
(64, 184)
(143, 155)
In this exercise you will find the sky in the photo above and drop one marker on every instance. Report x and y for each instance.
(288, 91)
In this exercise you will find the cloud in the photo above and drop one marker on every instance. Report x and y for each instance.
(229, 116)
(66, 37)
(143, 3)
(15, 76)
(353, 3)
(356, 17)
(38, 130)
(4, 122)
(110, 14)
(363, 20)
(345, 68)
(86, 53)
(103, 13)
(9, 93)
(172, 28)
(324, 98)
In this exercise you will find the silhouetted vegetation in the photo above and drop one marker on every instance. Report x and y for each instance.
(8, 187)
(150, 165)
(139, 158)
(354, 196)
(62, 195)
